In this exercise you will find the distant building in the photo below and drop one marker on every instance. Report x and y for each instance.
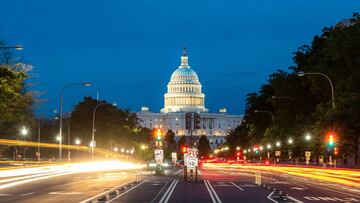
(184, 95)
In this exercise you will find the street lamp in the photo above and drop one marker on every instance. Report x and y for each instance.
(16, 47)
(77, 141)
(268, 146)
(238, 148)
(58, 138)
(23, 131)
(93, 128)
(116, 149)
(87, 84)
(290, 141)
(268, 112)
(302, 73)
(307, 137)
(143, 147)
(278, 144)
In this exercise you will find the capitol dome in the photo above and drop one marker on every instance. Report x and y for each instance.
(184, 76)
(184, 90)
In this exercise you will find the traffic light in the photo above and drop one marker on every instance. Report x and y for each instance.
(157, 134)
(336, 151)
(197, 121)
(331, 139)
(238, 153)
(184, 149)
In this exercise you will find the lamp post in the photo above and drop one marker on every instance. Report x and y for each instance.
(93, 128)
(61, 116)
(24, 133)
(268, 112)
(302, 73)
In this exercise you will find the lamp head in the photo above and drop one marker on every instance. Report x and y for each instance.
(301, 73)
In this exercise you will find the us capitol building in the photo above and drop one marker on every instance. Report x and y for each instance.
(184, 95)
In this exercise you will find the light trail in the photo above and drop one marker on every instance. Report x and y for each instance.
(16, 177)
(342, 176)
(99, 151)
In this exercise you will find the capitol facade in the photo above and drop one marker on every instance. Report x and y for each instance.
(184, 95)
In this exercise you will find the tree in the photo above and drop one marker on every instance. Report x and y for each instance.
(170, 140)
(16, 102)
(303, 104)
(204, 146)
(114, 127)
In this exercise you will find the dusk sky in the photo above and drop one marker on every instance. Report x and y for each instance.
(129, 49)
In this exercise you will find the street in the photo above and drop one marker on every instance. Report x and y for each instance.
(214, 185)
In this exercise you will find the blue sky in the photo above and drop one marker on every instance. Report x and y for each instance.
(128, 49)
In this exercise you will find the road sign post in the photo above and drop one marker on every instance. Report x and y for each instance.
(191, 164)
(159, 157)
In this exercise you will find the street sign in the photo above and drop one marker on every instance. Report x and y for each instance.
(190, 158)
(277, 153)
(174, 156)
(192, 152)
(190, 162)
(159, 155)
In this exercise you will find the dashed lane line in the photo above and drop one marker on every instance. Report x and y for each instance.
(241, 189)
(294, 199)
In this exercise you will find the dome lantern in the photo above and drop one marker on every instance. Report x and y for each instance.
(184, 59)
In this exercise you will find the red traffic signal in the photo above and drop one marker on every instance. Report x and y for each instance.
(184, 149)
(238, 153)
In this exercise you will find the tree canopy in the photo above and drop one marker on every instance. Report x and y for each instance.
(303, 104)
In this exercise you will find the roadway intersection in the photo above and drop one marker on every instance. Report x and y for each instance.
(214, 185)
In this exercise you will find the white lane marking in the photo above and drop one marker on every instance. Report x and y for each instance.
(214, 193)
(344, 193)
(26, 177)
(87, 200)
(65, 193)
(237, 186)
(294, 199)
(177, 172)
(269, 197)
(127, 191)
(199, 172)
(211, 195)
(297, 188)
(171, 191)
(26, 194)
(7, 185)
(158, 194)
(167, 191)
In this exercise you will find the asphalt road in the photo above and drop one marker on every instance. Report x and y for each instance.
(65, 188)
(214, 185)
